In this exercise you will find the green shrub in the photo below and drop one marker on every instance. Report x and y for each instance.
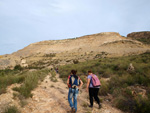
(12, 109)
(124, 103)
(53, 76)
(142, 105)
(75, 61)
(31, 82)
(18, 67)
(104, 89)
(50, 55)
(83, 78)
(8, 80)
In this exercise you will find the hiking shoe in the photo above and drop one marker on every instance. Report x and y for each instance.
(90, 106)
(100, 106)
(73, 110)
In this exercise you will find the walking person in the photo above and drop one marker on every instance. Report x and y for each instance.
(93, 88)
(74, 83)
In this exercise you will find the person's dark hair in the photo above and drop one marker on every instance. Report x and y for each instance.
(73, 72)
(89, 71)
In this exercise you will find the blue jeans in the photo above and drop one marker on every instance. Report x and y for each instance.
(73, 93)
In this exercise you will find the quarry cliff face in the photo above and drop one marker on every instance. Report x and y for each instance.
(82, 48)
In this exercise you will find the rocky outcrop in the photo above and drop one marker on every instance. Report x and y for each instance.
(141, 36)
(23, 63)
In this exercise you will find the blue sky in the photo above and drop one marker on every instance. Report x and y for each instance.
(23, 22)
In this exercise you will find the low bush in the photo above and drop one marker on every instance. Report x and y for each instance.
(142, 105)
(31, 82)
(104, 88)
(18, 67)
(83, 78)
(75, 61)
(12, 109)
(124, 103)
(53, 76)
(7, 80)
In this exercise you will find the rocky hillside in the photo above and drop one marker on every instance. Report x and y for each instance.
(141, 36)
(69, 50)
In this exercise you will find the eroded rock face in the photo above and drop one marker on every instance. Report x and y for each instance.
(4, 63)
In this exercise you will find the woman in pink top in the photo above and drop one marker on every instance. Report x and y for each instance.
(93, 91)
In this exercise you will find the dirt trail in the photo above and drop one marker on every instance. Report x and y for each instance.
(51, 97)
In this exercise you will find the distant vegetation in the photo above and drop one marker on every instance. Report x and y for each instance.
(50, 55)
(125, 86)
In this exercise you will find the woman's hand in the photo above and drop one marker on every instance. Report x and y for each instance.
(87, 89)
(87, 86)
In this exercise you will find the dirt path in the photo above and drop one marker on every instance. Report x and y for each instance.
(51, 97)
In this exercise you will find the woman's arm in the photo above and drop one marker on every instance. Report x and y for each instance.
(68, 82)
(88, 83)
(81, 83)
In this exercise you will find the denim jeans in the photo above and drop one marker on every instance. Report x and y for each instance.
(73, 93)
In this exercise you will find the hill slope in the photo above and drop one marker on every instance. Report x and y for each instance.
(82, 48)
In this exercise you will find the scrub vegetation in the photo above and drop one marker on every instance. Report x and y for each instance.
(8, 77)
(126, 87)
(31, 81)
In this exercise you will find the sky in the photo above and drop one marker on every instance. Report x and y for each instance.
(23, 22)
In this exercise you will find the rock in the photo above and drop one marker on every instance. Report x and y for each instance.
(130, 68)
(24, 63)
(31, 70)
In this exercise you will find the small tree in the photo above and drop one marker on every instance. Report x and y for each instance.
(18, 67)
(75, 61)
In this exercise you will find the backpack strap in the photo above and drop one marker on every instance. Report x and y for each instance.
(91, 78)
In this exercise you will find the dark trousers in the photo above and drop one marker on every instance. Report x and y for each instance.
(93, 92)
